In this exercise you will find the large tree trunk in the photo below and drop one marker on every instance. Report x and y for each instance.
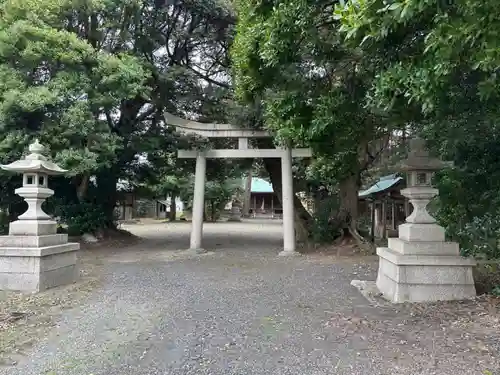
(247, 195)
(348, 191)
(106, 185)
(82, 187)
(348, 213)
(173, 209)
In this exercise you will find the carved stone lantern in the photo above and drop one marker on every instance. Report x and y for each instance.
(420, 265)
(36, 169)
(235, 210)
(34, 257)
(420, 169)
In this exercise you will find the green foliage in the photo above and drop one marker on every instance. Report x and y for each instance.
(496, 291)
(324, 228)
(217, 194)
(83, 217)
(481, 237)
(441, 72)
(90, 80)
(4, 223)
(469, 203)
(439, 47)
(290, 59)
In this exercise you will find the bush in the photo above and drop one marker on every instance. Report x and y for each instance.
(487, 278)
(496, 290)
(481, 237)
(81, 218)
(4, 223)
(324, 229)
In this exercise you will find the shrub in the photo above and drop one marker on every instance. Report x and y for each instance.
(496, 290)
(4, 223)
(84, 217)
(487, 278)
(325, 228)
(480, 238)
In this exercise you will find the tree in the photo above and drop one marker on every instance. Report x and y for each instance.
(289, 58)
(443, 73)
(91, 79)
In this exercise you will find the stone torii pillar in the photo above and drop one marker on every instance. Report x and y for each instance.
(198, 204)
(242, 152)
(287, 203)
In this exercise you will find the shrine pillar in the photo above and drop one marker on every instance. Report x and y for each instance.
(287, 202)
(198, 204)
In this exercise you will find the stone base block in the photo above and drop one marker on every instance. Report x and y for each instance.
(32, 227)
(421, 232)
(38, 269)
(426, 278)
(33, 241)
(288, 253)
(423, 247)
(196, 251)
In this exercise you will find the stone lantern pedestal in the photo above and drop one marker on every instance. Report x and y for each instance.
(235, 211)
(420, 265)
(33, 257)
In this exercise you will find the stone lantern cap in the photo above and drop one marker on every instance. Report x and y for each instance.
(420, 160)
(34, 162)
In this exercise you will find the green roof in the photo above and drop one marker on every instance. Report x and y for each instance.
(260, 185)
(383, 184)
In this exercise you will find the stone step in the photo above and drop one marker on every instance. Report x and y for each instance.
(38, 251)
(423, 260)
(423, 247)
(33, 241)
(421, 232)
(32, 227)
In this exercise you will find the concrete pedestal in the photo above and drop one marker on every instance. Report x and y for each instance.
(33, 263)
(421, 267)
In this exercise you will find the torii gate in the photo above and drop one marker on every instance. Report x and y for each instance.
(211, 130)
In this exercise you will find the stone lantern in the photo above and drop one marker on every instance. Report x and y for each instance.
(34, 257)
(36, 169)
(420, 169)
(420, 265)
(235, 210)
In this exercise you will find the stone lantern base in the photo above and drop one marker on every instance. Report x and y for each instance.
(420, 266)
(235, 214)
(33, 258)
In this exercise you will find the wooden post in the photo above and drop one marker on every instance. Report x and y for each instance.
(254, 206)
(272, 205)
(393, 214)
(384, 218)
(407, 208)
(373, 222)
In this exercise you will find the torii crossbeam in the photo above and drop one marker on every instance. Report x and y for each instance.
(211, 130)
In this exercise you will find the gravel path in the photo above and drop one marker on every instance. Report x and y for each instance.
(241, 310)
